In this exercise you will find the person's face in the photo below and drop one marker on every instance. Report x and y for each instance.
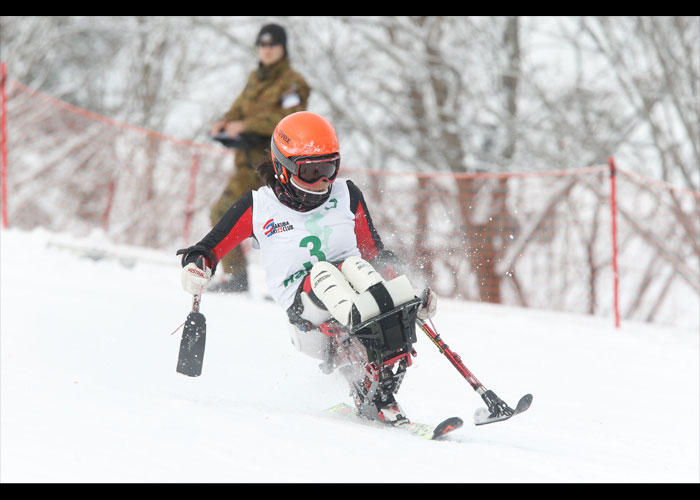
(270, 54)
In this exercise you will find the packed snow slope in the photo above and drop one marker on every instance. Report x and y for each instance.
(90, 393)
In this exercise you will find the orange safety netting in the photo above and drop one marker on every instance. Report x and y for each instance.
(540, 239)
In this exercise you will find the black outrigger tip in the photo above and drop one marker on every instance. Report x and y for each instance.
(484, 416)
(194, 336)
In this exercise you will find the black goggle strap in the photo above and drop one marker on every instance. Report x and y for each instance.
(281, 159)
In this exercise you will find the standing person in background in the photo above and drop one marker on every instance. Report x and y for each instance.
(273, 91)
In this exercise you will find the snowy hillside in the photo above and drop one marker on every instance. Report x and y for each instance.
(90, 393)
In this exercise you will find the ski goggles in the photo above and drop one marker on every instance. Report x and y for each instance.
(310, 169)
(313, 169)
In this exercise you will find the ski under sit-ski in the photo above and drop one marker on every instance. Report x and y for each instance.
(425, 431)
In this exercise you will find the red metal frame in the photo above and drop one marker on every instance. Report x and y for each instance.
(407, 355)
(454, 358)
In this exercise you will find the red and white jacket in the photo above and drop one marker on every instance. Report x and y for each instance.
(291, 242)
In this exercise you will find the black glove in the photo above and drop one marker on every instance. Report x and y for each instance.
(191, 254)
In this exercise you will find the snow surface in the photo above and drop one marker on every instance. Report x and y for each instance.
(89, 391)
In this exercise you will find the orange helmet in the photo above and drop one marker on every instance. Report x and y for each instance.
(304, 145)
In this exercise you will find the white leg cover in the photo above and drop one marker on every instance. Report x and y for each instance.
(331, 287)
(399, 290)
(312, 343)
(312, 312)
(342, 300)
(366, 307)
(362, 276)
(360, 273)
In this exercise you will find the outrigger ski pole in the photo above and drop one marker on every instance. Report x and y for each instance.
(497, 409)
(194, 335)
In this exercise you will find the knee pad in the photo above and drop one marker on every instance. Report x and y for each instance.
(331, 287)
(312, 343)
(360, 274)
(311, 311)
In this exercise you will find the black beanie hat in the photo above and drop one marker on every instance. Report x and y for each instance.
(272, 33)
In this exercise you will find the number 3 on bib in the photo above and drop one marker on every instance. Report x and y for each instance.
(315, 243)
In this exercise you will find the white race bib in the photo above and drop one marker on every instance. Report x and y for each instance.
(292, 242)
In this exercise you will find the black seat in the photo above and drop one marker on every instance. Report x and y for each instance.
(389, 335)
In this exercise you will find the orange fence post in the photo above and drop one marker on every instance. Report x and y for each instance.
(613, 214)
(3, 144)
(108, 208)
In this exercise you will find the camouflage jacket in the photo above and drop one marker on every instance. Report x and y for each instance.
(271, 93)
